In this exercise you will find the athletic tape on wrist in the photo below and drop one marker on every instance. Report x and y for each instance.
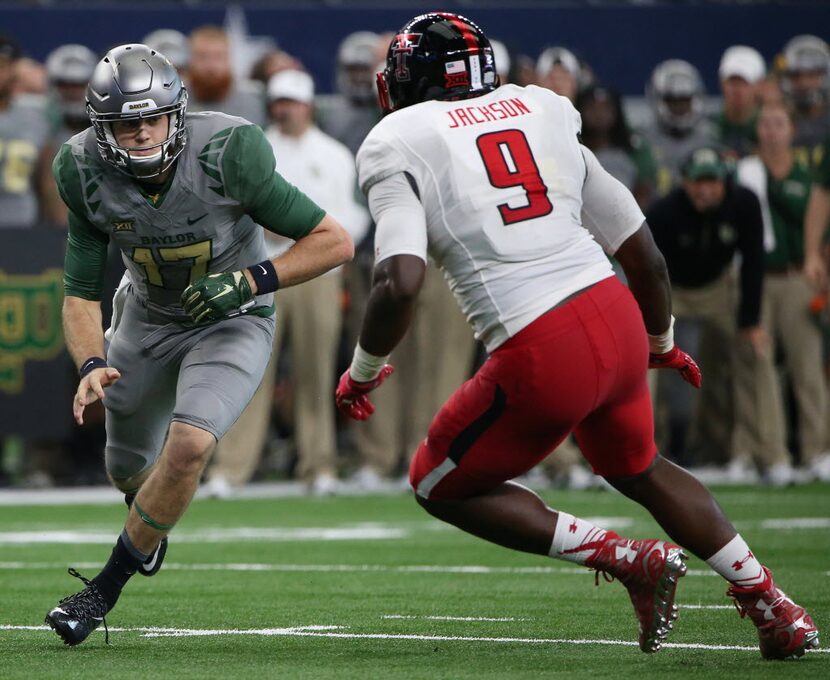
(90, 365)
(366, 367)
(149, 521)
(265, 277)
(660, 344)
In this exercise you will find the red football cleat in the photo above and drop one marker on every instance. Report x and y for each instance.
(785, 630)
(649, 570)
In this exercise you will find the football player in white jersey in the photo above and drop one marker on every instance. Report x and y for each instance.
(494, 183)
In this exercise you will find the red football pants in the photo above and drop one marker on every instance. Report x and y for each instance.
(578, 368)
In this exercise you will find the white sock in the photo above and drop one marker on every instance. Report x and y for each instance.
(575, 539)
(736, 563)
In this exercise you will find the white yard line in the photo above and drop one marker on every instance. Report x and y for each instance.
(334, 632)
(684, 607)
(452, 618)
(797, 523)
(367, 532)
(336, 568)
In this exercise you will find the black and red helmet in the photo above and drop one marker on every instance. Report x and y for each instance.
(436, 56)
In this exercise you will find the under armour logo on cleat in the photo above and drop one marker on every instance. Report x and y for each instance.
(625, 552)
(572, 528)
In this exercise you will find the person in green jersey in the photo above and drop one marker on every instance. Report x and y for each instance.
(183, 197)
(741, 69)
(783, 183)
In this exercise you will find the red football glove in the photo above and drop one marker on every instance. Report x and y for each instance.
(677, 358)
(351, 396)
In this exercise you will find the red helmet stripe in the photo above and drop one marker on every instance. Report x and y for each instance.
(464, 29)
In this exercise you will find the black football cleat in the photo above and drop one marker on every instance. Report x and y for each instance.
(78, 615)
(153, 563)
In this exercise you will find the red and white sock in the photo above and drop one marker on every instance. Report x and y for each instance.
(575, 540)
(736, 563)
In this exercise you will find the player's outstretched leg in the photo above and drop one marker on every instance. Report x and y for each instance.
(159, 504)
(692, 517)
(154, 561)
(515, 517)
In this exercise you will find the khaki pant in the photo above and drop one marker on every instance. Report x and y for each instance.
(727, 421)
(431, 362)
(787, 319)
(313, 312)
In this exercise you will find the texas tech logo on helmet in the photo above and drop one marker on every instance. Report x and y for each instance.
(403, 46)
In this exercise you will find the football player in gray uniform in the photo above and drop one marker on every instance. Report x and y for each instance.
(183, 197)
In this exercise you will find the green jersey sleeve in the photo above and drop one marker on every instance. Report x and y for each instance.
(86, 248)
(249, 169)
(85, 261)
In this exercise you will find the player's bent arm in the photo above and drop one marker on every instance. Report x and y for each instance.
(612, 215)
(815, 226)
(400, 248)
(395, 286)
(648, 278)
(82, 328)
(325, 247)
(400, 263)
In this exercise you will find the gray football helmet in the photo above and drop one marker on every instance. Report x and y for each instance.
(132, 82)
(357, 61)
(69, 68)
(675, 93)
(805, 54)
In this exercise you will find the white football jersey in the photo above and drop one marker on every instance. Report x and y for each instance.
(502, 179)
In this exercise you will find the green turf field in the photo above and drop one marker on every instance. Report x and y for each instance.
(371, 587)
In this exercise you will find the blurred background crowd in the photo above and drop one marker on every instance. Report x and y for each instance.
(731, 181)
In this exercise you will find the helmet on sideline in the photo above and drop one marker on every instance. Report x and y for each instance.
(69, 68)
(357, 59)
(436, 56)
(805, 56)
(132, 82)
(675, 92)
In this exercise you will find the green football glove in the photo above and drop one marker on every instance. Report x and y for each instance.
(217, 296)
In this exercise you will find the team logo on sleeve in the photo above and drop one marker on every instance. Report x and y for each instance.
(123, 225)
(403, 46)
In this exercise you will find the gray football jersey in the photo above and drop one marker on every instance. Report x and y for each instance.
(194, 229)
(24, 130)
(670, 151)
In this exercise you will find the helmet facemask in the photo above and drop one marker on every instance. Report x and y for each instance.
(149, 166)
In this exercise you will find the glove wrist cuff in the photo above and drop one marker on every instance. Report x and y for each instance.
(662, 343)
(366, 367)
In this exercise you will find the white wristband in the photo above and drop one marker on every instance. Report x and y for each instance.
(660, 344)
(365, 366)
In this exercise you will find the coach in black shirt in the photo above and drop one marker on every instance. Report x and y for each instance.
(700, 226)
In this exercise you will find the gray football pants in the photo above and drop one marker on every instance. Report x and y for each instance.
(203, 377)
